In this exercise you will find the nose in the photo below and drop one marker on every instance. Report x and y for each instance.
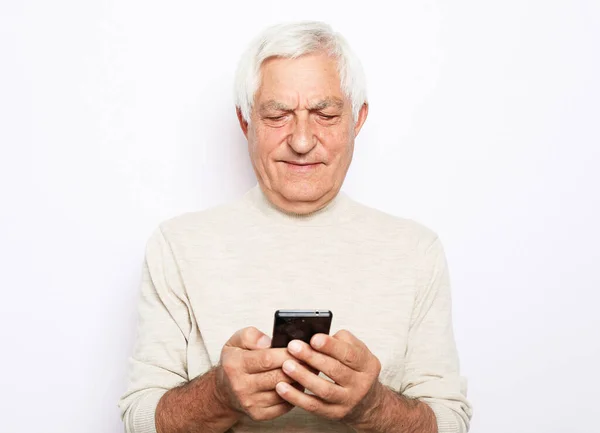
(302, 139)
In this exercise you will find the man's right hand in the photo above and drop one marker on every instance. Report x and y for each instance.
(248, 373)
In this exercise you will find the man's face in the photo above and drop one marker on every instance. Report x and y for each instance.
(301, 133)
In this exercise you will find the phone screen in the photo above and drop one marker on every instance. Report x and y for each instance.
(299, 325)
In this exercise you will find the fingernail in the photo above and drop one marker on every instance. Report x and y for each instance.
(264, 342)
(318, 341)
(294, 346)
(281, 387)
(289, 366)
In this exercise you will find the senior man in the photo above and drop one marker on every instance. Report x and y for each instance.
(213, 279)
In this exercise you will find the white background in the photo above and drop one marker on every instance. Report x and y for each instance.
(484, 125)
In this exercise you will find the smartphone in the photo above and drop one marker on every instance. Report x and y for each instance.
(299, 325)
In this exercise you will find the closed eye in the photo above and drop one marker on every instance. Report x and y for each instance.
(327, 116)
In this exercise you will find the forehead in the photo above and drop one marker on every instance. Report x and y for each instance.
(308, 78)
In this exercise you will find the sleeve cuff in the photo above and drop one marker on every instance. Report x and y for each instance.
(143, 416)
(447, 420)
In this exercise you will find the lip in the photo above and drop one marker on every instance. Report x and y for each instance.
(301, 166)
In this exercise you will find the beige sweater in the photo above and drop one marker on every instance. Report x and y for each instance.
(210, 273)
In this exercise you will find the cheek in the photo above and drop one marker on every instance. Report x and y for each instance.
(268, 139)
(336, 141)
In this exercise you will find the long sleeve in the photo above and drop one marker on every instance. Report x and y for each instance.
(432, 366)
(159, 360)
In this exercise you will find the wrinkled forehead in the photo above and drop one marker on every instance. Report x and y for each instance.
(312, 79)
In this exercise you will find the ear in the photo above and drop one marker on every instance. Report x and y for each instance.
(243, 123)
(362, 116)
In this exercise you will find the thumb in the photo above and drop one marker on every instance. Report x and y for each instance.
(249, 339)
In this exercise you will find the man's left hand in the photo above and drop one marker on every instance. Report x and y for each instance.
(348, 362)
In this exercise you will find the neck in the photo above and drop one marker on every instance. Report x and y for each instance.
(332, 211)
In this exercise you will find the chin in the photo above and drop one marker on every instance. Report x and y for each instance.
(303, 192)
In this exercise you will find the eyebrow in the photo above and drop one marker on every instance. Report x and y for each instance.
(321, 105)
(326, 103)
(274, 105)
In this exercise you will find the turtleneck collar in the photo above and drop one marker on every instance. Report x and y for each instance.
(337, 211)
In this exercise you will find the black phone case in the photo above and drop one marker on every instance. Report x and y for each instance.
(299, 325)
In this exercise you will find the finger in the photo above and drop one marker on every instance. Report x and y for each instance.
(271, 412)
(333, 368)
(322, 388)
(348, 337)
(268, 380)
(262, 400)
(344, 347)
(258, 361)
(249, 339)
(307, 402)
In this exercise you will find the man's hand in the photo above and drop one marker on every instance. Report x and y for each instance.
(248, 373)
(348, 362)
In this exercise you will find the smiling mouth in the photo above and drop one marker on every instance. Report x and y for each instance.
(302, 164)
(301, 167)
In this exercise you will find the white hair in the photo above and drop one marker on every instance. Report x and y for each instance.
(292, 40)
